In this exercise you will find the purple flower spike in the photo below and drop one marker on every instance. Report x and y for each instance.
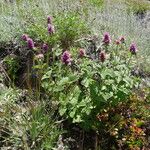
(102, 56)
(133, 48)
(49, 20)
(106, 38)
(45, 47)
(66, 58)
(25, 37)
(51, 29)
(82, 52)
(122, 39)
(30, 43)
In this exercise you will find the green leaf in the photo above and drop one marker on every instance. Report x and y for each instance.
(64, 81)
(77, 119)
(73, 78)
(107, 72)
(72, 113)
(107, 96)
(47, 75)
(62, 111)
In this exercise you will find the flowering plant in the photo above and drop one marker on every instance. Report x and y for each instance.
(82, 86)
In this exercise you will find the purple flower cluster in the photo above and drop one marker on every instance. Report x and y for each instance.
(133, 48)
(25, 37)
(102, 56)
(122, 39)
(30, 43)
(45, 47)
(106, 39)
(49, 20)
(82, 52)
(50, 27)
(66, 58)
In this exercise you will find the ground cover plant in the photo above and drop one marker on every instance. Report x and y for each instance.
(74, 75)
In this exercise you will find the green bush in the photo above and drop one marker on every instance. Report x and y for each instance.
(12, 66)
(68, 28)
(89, 86)
(125, 126)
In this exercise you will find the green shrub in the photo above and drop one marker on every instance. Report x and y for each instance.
(89, 86)
(69, 27)
(126, 123)
(12, 66)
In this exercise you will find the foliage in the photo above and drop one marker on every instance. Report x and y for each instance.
(12, 65)
(26, 126)
(16, 17)
(89, 81)
(138, 6)
(97, 3)
(88, 86)
(69, 28)
(126, 123)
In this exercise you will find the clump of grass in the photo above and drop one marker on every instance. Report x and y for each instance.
(24, 123)
(97, 3)
(116, 19)
(138, 6)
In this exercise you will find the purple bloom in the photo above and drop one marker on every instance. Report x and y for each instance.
(102, 56)
(30, 43)
(51, 28)
(82, 52)
(66, 58)
(106, 38)
(49, 20)
(45, 47)
(118, 42)
(122, 39)
(25, 37)
(133, 48)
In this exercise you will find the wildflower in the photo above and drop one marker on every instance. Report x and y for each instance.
(122, 39)
(117, 42)
(30, 43)
(49, 20)
(45, 47)
(82, 52)
(66, 57)
(106, 38)
(102, 56)
(39, 56)
(133, 48)
(25, 37)
(51, 28)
